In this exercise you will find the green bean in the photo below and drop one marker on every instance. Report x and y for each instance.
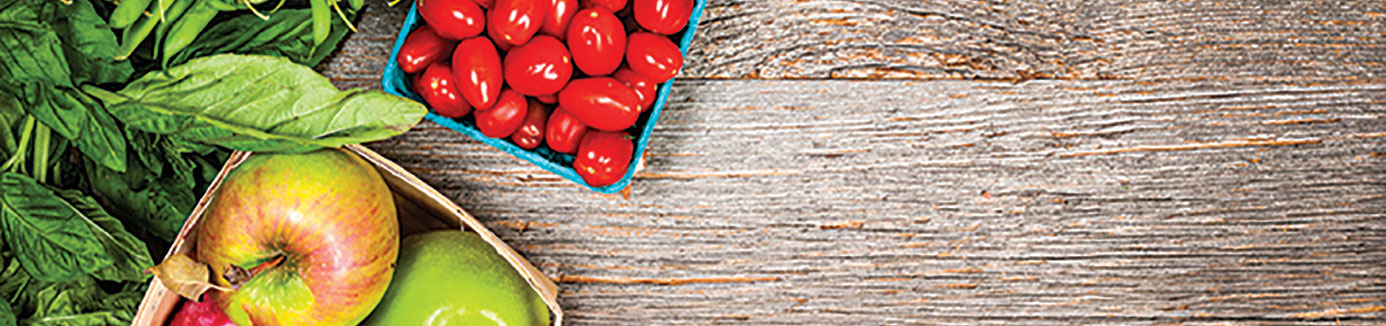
(170, 16)
(224, 5)
(322, 20)
(127, 11)
(131, 38)
(186, 29)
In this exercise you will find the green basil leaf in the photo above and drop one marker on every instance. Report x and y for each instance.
(158, 206)
(11, 114)
(13, 279)
(129, 299)
(258, 103)
(80, 301)
(77, 302)
(156, 200)
(53, 301)
(51, 240)
(75, 116)
(97, 318)
(89, 45)
(187, 146)
(130, 256)
(146, 148)
(32, 49)
(63, 44)
(6, 314)
(40, 40)
(288, 33)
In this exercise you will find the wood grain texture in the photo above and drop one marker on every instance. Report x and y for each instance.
(1040, 39)
(1005, 40)
(843, 202)
(1229, 168)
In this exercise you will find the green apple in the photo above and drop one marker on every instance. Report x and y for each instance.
(317, 234)
(454, 278)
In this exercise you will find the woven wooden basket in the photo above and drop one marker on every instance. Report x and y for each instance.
(421, 208)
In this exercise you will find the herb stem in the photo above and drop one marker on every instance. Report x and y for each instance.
(346, 20)
(42, 142)
(18, 159)
(58, 170)
(15, 297)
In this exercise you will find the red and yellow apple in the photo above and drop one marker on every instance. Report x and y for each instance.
(313, 238)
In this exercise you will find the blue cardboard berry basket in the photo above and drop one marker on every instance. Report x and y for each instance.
(396, 82)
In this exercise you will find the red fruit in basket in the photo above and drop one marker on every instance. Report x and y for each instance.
(541, 66)
(316, 233)
(477, 67)
(516, 21)
(203, 313)
(439, 88)
(505, 117)
(559, 17)
(563, 131)
(643, 87)
(531, 131)
(503, 46)
(603, 157)
(601, 102)
(654, 56)
(597, 41)
(547, 98)
(663, 16)
(613, 5)
(453, 19)
(421, 48)
(414, 81)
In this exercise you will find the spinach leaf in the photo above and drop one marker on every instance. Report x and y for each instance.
(51, 240)
(258, 103)
(6, 314)
(128, 253)
(288, 33)
(76, 117)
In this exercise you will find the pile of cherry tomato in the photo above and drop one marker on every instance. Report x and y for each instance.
(569, 74)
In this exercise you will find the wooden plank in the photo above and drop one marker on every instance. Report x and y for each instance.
(1002, 40)
(1192, 162)
(1038, 39)
(954, 202)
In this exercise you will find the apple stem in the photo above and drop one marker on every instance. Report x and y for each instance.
(238, 276)
(266, 265)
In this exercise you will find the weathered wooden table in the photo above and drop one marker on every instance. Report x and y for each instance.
(865, 162)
